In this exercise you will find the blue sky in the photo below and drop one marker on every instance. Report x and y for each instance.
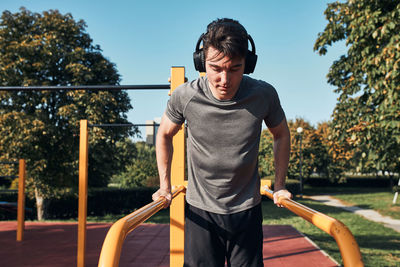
(145, 38)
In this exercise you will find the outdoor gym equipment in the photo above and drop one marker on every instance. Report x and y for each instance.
(177, 78)
(112, 245)
(178, 170)
(348, 246)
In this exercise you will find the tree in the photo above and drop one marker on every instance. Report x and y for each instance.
(314, 152)
(266, 154)
(336, 158)
(367, 79)
(142, 171)
(43, 126)
(307, 165)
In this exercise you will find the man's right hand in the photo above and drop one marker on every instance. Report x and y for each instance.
(163, 193)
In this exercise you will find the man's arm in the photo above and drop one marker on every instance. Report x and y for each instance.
(281, 136)
(164, 151)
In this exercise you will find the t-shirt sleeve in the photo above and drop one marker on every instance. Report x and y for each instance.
(275, 113)
(175, 106)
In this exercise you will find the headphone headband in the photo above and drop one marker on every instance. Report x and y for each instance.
(253, 46)
(199, 41)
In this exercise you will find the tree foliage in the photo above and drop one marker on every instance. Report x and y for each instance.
(306, 150)
(142, 169)
(337, 155)
(266, 156)
(43, 126)
(320, 153)
(367, 79)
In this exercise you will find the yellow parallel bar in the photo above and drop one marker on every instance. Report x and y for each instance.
(348, 246)
(112, 246)
(177, 209)
(83, 188)
(21, 200)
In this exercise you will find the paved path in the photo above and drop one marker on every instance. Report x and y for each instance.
(54, 244)
(367, 213)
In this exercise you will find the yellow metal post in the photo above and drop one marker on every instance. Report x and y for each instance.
(21, 201)
(177, 209)
(83, 184)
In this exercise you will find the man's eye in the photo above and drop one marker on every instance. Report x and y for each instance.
(234, 70)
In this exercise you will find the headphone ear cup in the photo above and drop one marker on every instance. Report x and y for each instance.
(251, 61)
(199, 61)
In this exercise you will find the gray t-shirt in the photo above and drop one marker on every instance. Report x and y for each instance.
(223, 141)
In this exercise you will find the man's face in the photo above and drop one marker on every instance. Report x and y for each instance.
(224, 74)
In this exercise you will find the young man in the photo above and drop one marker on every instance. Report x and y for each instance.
(224, 112)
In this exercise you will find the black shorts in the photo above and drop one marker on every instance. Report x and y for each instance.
(212, 239)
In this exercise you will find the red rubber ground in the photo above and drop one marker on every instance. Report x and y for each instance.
(54, 244)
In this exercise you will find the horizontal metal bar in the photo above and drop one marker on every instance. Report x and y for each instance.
(5, 203)
(120, 125)
(9, 176)
(8, 191)
(87, 87)
(9, 162)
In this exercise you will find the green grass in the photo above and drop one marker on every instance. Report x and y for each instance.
(379, 199)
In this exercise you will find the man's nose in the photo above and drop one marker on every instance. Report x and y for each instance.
(224, 77)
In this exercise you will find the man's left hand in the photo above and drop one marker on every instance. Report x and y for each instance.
(281, 193)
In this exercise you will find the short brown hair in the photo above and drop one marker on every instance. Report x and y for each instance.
(228, 36)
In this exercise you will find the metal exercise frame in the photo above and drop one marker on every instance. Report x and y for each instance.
(345, 240)
(177, 172)
(177, 78)
(112, 246)
(86, 87)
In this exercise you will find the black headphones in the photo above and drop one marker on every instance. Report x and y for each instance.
(200, 61)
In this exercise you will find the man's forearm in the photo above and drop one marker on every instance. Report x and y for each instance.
(164, 151)
(281, 160)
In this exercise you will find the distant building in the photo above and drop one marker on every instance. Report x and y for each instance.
(151, 130)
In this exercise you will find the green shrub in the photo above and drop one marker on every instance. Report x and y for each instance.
(101, 201)
(118, 201)
(11, 196)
